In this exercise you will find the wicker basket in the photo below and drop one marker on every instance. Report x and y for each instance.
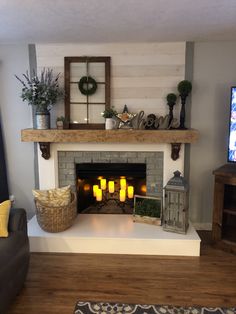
(56, 219)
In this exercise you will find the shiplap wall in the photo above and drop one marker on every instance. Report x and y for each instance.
(142, 74)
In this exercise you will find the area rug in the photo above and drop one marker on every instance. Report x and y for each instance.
(119, 308)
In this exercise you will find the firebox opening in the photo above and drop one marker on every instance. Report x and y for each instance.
(109, 188)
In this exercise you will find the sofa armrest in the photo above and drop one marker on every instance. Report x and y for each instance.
(17, 220)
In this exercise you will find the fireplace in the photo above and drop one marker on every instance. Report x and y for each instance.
(109, 188)
(111, 234)
(84, 169)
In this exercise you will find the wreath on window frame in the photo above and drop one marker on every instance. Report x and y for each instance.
(87, 85)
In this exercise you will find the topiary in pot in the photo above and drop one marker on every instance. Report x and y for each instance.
(171, 101)
(184, 88)
(60, 122)
(108, 114)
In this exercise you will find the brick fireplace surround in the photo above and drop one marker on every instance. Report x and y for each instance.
(153, 160)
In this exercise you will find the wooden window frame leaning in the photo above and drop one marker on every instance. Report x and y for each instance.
(67, 63)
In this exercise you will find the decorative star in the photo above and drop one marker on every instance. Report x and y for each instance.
(125, 118)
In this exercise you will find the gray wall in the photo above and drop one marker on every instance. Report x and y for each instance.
(213, 75)
(16, 115)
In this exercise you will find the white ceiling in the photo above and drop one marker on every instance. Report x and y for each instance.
(44, 21)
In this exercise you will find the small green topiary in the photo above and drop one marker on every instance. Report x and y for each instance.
(109, 113)
(184, 87)
(171, 99)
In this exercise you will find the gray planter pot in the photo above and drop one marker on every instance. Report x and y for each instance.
(42, 120)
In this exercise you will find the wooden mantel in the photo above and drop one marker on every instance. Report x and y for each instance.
(45, 137)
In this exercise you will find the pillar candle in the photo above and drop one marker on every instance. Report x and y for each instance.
(99, 195)
(111, 186)
(122, 195)
(123, 184)
(103, 184)
(130, 191)
(95, 188)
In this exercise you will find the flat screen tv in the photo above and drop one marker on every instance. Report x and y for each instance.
(232, 127)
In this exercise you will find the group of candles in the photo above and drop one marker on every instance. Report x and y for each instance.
(97, 190)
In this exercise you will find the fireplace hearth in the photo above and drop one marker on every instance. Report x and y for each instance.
(109, 188)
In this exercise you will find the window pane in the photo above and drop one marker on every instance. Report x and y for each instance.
(77, 70)
(95, 113)
(97, 71)
(78, 113)
(76, 95)
(99, 95)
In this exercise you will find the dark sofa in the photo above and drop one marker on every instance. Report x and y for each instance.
(14, 258)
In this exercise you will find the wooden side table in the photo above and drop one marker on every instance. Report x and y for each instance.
(224, 211)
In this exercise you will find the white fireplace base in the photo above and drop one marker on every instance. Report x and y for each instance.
(113, 234)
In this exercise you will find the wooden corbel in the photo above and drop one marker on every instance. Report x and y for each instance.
(45, 149)
(175, 148)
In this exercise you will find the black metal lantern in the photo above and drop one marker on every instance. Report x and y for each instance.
(175, 214)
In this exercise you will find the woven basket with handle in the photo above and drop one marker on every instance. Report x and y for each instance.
(56, 218)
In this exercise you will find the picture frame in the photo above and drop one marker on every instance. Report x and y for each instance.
(147, 209)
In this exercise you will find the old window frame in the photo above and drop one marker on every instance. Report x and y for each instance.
(67, 73)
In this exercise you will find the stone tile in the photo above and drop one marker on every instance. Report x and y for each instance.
(70, 165)
(61, 154)
(131, 154)
(81, 159)
(62, 177)
(101, 160)
(66, 159)
(62, 165)
(64, 183)
(71, 177)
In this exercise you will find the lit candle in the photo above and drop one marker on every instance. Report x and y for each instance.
(111, 186)
(95, 188)
(86, 187)
(99, 195)
(122, 195)
(143, 188)
(130, 191)
(103, 184)
(123, 183)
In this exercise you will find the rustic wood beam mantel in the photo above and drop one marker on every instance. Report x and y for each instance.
(173, 137)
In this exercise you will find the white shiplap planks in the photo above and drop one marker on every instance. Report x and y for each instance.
(142, 74)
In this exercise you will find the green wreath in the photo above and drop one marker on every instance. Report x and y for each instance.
(87, 85)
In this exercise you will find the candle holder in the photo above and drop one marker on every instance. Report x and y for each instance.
(108, 197)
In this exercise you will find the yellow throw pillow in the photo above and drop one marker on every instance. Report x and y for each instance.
(4, 217)
(54, 197)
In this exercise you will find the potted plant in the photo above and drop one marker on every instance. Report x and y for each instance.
(108, 114)
(60, 122)
(42, 92)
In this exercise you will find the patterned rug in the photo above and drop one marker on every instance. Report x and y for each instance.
(119, 308)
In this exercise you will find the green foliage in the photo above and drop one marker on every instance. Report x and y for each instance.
(41, 91)
(61, 118)
(171, 99)
(87, 85)
(109, 113)
(184, 87)
(148, 207)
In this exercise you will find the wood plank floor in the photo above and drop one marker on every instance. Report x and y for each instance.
(56, 281)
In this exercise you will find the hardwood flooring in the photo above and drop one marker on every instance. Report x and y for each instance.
(56, 281)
